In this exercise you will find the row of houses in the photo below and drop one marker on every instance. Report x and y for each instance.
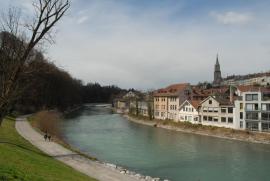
(235, 107)
(240, 107)
(237, 102)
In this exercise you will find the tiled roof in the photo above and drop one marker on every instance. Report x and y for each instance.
(250, 88)
(172, 90)
(222, 101)
(195, 104)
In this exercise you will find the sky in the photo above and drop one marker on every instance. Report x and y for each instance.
(149, 44)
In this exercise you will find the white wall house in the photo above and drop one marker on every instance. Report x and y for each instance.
(173, 107)
(188, 111)
(253, 108)
(215, 111)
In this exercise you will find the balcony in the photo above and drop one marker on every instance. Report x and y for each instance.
(252, 120)
(252, 110)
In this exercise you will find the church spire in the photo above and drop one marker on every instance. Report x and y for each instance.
(217, 62)
(217, 74)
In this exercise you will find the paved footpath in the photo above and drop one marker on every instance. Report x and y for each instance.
(91, 168)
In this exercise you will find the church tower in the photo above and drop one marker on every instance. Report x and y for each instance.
(217, 74)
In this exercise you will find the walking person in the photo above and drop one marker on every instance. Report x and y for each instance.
(46, 136)
(49, 137)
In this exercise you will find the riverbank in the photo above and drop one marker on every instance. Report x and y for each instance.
(224, 133)
(101, 171)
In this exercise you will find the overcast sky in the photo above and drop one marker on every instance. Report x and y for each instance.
(148, 44)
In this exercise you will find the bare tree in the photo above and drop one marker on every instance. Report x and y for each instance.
(17, 43)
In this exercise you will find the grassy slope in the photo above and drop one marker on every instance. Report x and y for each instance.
(19, 160)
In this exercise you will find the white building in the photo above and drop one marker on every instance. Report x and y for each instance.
(253, 108)
(262, 79)
(188, 111)
(216, 111)
(173, 107)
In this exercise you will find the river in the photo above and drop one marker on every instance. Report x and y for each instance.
(157, 152)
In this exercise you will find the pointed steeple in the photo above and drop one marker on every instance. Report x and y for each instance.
(217, 74)
(217, 62)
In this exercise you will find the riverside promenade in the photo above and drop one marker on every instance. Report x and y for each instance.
(97, 170)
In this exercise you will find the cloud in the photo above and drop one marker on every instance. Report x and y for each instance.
(232, 18)
(145, 45)
(82, 19)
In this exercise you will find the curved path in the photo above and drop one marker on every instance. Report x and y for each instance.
(91, 168)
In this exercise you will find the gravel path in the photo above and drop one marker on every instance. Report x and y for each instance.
(91, 168)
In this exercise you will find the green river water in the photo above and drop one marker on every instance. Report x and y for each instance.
(157, 152)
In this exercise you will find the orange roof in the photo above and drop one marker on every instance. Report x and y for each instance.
(172, 90)
(251, 88)
(195, 103)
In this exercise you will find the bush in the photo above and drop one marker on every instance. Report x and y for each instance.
(47, 121)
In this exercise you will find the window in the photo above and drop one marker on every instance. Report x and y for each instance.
(252, 126)
(251, 97)
(205, 118)
(266, 116)
(215, 109)
(252, 107)
(241, 115)
(241, 124)
(215, 119)
(230, 120)
(204, 109)
(210, 109)
(223, 110)
(230, 110)
(223, 119)
(185, 117)
(156, 113)
(189, 118)
(192, 109)
(210, 101)
(266, 107)
(196, 119)
(241, 106)
(210, 118)
(265, 126)
(252, 116)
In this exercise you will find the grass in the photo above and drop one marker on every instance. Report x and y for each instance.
(19, 160)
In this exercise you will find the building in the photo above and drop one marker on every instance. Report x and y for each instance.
(260, 79)
(168, 100)
(124, 101)
(217, 111)
(217, 74)
(189, 111)
(143, 108)
(253, 108)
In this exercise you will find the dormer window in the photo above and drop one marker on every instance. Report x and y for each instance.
(210, 101)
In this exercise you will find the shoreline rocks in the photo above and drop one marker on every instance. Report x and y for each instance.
(130, 173)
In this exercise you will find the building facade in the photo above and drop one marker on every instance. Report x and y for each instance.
(253, 108)
(168, 100)
(189, 112)
(216, 111)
